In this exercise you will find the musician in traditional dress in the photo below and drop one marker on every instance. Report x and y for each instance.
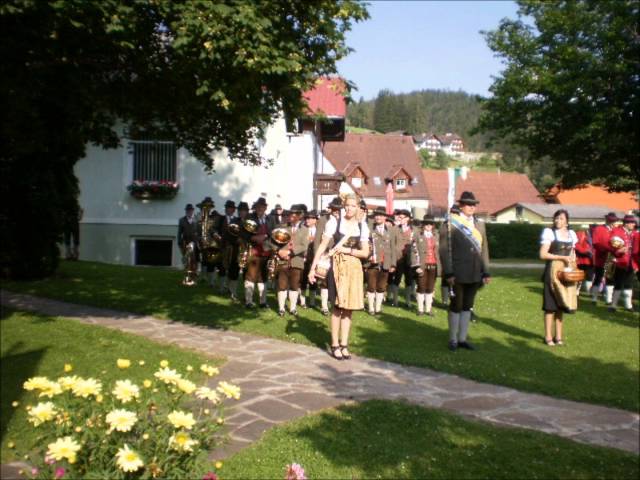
(464, 254)
(334, 208)
(290, 261)
(557, 244)
(624, 264)
(310, 221)
(229, 226)
(584, 258)
(210, 240)
(344, 278)
(188, 244)
(426, 261)
(381, 262)
(404, 236)
(602, 247)
(256, 274)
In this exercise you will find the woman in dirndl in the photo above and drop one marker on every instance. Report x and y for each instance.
(557, 248)
(350, 237)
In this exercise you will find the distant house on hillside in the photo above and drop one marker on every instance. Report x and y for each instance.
(581, 215)
(367, 161)
(495, 191)
(449, 143)
(593, 195)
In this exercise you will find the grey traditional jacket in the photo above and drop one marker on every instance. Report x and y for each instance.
(383, 252)
(459, 256)
(419, 251)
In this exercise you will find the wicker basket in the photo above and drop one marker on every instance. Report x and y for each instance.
(573, 276)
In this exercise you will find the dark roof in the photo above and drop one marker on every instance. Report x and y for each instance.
(377, 155)
(495, 190)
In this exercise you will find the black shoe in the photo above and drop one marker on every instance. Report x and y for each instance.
(325, 312)
(466, 345)
(281, 313)
(264, 305)
(249, 306)
(453, 346)
(430, 313)
(294, 312)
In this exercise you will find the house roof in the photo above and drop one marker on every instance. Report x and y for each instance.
(448, 138)
(494, 190)
(595, 195)
(376, 155)
(327, 97)
(546, 210)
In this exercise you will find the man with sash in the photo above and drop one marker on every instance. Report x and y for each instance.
(403, 240)
(229, 268)
(464, 254)
(290, 261)
(382, 261)
(600, 237)
(256, 274)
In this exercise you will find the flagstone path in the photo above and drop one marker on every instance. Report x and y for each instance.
(283, 381)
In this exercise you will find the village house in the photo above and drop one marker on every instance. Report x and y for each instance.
(449, 143)
(581, 216)
(593, 195)
(133, 196)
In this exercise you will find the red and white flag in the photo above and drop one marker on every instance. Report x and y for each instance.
(389, 198)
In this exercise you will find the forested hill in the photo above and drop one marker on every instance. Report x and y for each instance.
(437, 111)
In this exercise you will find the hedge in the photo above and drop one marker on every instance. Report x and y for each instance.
(514, 240)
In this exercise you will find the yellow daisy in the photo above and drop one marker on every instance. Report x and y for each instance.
(231, 391)
(164, 363)
(186, 386)
(125, 391)
(205, 393)
(167, 375)
(86, 387)
(65, 447)
(121, 420)
(209, 370)
(68, 382)
(42, 412)
(182, 442)
(128, 460)
(36, 383)
(123, 363)
(181, 419)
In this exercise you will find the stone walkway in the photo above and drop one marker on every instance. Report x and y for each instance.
(282, 381)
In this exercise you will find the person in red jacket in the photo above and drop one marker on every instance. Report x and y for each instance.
(623, 275)
(600, 238)
(584, 257)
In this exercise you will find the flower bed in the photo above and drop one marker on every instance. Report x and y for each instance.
(161, 189)
(91, 430)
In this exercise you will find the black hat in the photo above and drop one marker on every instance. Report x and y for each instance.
(230, 204)
(243, 206)
(363, 205)
(611, 217)
(468, 198)
(630, 219)
(311, 214)
(454, 209)
(336, 204)
(297, 208)
(304, 207)
(380, 211)
(260, 201)
(404, 212)
(207, 202)
(189, 206)
(277, 206)
(428, 220)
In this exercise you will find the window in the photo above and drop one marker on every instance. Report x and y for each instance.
(153, 252)
(519, 211)
(154, 161)
(356, 182)
(377, 181)
(401, 183)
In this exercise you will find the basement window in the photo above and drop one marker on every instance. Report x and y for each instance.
(153, 252)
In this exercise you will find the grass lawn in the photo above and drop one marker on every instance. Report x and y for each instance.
(599, 363)
(380, 439)
(40, 345)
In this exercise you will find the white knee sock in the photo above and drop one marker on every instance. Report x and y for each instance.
(420, 302)
(428, 302)
(262, 292)
(587, 285)
(379, 299)
(248, 291)
(444, 292)
(371, 301)
(454, 326)
(293, 300)
(594, 293)
(282, 299)
(303, 299)
(615, 298)
(324, 299)
(627, 294)
(609, 293)
(465, 317)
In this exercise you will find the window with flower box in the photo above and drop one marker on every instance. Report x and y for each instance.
(154, 169)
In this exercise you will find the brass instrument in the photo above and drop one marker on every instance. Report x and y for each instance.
(280, 236)
(209, 244)
(244, 251)
(250, 225)
(610, 263)
(233, 229)
(190, 264)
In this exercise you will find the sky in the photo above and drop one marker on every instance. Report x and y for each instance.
(416, 45)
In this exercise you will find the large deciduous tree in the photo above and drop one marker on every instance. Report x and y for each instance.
(570, 89)
(208, 75)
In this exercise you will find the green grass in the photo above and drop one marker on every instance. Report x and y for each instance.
(599, 363)
(497, 262)
(380, 439)
(40, 345)
(350, 129)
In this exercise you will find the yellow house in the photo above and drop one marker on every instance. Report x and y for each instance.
(543, 213)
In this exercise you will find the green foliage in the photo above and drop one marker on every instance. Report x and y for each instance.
(382, 439)
(207, 75)
(441, 160)
(514, 240)
(425, 158)
(570, 88)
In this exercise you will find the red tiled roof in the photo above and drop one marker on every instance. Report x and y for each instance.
(494, 190)
(327, 97)
(595, 195)
(376, 155)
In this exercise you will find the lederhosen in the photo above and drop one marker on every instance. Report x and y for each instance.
(427, 281)
(287, 277)
(557, 247)
(257, 263)
(231, 248)
(376, 276)
(304, 281)
(353, 242)
(403, 267)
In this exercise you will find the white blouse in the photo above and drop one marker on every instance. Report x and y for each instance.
(547, 237)
(332, 225)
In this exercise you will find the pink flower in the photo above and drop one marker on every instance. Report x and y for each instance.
(34, 471)
(295, 472)
(59, 472)
(49, 460)
(210, 476)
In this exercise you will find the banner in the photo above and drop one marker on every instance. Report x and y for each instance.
(389, 198)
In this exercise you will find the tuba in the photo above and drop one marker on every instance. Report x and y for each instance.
(190, 261)
(610, 263)
(280, 236)
(244, 252)
(209, 244)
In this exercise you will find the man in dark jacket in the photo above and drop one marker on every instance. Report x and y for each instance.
(188, 244)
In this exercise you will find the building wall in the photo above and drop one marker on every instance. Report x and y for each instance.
(509, 215)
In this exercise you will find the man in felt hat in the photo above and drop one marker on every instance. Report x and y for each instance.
(403, 241)
(601, 236)
(188, 244)
(256, 274)
(382, 260)
(624, 263)
(228, 269)
(290, 261)
(277, 215)
(210, 240)
(310, 221)
(464, 254)
(426, 261)
(334, 207)
(444, 286)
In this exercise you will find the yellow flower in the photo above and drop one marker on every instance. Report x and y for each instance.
(14, 404)
(85, 387)
(123, 363)
(11, 445)
(145, 436)
(65, 447)
(207, 411)
(121, 420)
(125, 391)
(128, 460)
(181, 419)
(36, 383)
(205, 393)
(141, 363)
(186, 386)
(167, 375)
(78, 429)
(68, 382)
(42, 412)
(52, 388)
(209, 370)
(182, 442)
(99, 398)
(218, 465)
(164, 363)
(231, 391)
(189, 368)
(68, 367)
(146, 383)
